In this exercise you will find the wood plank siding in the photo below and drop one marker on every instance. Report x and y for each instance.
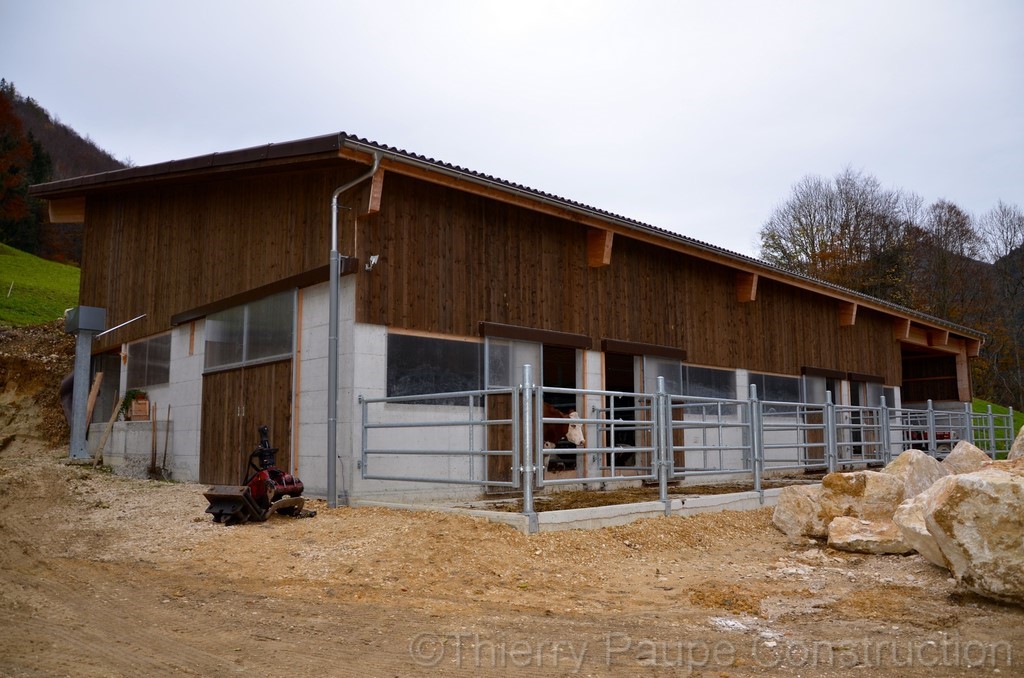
(161, 250)
(449, 260)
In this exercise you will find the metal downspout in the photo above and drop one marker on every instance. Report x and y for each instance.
(332, 342)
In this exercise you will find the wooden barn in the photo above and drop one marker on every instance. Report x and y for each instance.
(450, 280)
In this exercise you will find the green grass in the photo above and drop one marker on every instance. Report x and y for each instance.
(41, 289)
(981, 406)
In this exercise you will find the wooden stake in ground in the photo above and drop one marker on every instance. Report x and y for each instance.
(167, 435)
(91, 405)
(152, 440)
(106, 434)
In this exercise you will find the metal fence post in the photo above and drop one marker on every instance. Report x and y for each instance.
(931, 427)
(831, 434)
(968, 408)
(527, 437)
(756, 440)
(886, 433)
(663, 436)
(992, 445)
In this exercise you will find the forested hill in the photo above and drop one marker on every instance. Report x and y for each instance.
(71, 154)
(36, 148)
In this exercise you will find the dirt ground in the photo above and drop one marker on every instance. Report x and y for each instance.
(107, 576)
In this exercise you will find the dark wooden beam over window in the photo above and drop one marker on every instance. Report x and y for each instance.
(637, 348)
(347, 266)
(870, 378)
(549, 337)
(822, 372)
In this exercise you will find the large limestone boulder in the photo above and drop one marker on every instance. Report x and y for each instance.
(979, 527)
(965, 458)
(917, 470)
(847, 533)
(869, 495)
(1011, 466)
(1017, 449)
(910, 518)
(798, 512)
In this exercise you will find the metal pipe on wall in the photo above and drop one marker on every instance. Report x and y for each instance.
(332, 341)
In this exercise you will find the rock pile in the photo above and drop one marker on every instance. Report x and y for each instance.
(1017, 449)
(965, 514)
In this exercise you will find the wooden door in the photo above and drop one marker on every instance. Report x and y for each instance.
(221, 457)
(266, 401)
(235, 404)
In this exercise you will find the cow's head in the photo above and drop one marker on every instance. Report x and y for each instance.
(575, 433)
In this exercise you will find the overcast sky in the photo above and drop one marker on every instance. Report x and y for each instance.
(697, 117)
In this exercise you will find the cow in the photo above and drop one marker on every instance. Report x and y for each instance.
(556, 432)
(561, 437)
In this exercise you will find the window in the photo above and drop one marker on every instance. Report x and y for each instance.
(774, 388)
(672, 370)
(688, 380)
(421, 365)
(260, 331)
(505, 360)
(149, 362)
(816, 387)
(706, 382)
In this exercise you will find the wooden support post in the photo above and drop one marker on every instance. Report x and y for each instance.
(963, 376)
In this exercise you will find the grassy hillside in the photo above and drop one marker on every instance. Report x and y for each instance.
(33, 290)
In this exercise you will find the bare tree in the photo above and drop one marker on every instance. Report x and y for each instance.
(849, 230)
(949, 280)
(1002, 230)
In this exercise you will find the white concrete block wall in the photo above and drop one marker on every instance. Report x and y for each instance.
(185, 395)
(593, 379)
(311, 449)
(131, 441)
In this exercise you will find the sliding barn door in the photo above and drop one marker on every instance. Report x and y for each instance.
(235, 404)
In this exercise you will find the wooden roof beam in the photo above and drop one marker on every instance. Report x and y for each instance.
(847, 314)
(376, 189)
(938, 338)
(973, 348)
(901, 328)
(746, 286)
(599, 247)
(67, 210)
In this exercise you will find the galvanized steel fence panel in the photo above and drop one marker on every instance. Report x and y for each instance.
(673, 437)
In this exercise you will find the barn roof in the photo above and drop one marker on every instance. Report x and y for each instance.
(331, 146)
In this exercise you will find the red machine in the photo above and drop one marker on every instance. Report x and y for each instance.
(266, 490)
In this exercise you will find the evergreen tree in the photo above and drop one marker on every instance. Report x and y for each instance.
(18, 225)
